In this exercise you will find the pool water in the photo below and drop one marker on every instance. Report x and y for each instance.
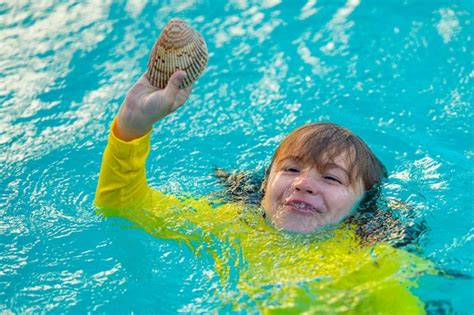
(397, 73)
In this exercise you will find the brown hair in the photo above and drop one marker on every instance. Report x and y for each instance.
(320, 143)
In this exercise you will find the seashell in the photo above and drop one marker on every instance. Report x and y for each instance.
(179, 47)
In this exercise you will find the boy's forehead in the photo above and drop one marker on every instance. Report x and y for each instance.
(342, 159)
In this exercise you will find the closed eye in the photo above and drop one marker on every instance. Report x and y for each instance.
(333, 179)
(292, 169)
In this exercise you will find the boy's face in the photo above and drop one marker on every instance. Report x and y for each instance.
(300, 199)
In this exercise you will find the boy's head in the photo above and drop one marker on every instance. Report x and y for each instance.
(319, 173)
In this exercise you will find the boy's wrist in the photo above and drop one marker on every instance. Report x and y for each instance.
(124, 129)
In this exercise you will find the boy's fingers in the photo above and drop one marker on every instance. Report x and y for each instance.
(182, 96)
(172, 88)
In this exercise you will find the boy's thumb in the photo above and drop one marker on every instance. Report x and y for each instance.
(172, 88)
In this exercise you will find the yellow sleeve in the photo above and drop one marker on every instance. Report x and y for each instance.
(122, 180)
(123, 191)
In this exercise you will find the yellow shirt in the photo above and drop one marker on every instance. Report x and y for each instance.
(261, 269)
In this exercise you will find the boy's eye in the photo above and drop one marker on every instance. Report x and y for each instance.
(291, 169)
(333, 179)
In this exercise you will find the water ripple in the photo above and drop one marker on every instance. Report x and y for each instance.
(66, 66)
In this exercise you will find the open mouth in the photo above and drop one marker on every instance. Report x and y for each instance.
(302, 207)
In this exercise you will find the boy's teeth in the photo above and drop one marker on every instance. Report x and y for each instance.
(302, 205)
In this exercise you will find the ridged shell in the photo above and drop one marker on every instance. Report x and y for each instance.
(179, 47)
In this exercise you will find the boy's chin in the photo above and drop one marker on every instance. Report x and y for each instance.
(297, 224)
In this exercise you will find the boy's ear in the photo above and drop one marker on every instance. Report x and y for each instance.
(265, 179)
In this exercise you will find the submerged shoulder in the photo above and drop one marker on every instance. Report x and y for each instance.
(391, 221)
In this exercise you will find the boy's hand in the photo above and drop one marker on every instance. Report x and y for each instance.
(145, 104)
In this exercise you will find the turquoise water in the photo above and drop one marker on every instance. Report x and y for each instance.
(399, 74)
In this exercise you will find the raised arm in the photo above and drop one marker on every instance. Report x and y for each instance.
(122, 180)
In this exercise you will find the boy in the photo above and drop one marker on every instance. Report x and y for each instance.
(319, 175)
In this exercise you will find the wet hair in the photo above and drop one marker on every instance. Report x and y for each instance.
(319, 144)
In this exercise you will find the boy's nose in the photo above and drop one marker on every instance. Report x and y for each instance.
(305, 183)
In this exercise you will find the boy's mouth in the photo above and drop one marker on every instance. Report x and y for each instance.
(301, 206)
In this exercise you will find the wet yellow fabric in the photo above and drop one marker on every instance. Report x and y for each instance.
(264, 270)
